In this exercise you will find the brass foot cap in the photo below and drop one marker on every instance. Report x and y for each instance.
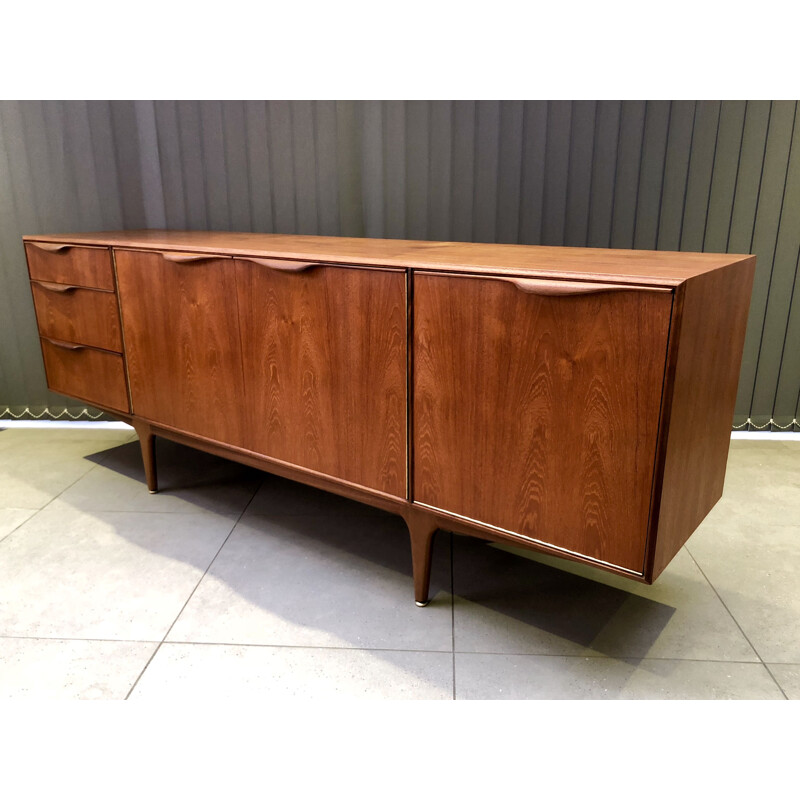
(422, 605)
(153, 491)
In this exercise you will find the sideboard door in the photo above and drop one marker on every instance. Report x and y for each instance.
(180, 326)
(325, 354)
(536, 408)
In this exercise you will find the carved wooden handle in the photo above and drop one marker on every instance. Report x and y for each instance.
(50, 247)
(188, 258)
(66, 345)
(280, 264)
(573, 289)
(56, 287)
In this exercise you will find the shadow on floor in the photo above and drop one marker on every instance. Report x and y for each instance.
(545, 599)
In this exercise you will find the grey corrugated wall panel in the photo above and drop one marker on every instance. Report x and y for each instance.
(580, 173)
(463, 169)
(509, 170)
(682, 174)
(724, 174)
(604, 168)
(441, 161)
(417, 162)
(327, 174)
(676, 174)
(769, 209)
(651, 174)
(779, 294)
(556, 172)
(698, 181)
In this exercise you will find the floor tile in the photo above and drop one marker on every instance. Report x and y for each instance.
(11, 518)
(762, 484)
(508, 600)
(60, 669)
(106, 575)
(493, 677)
(36, 465)
(189, 480)
(755, 569)
(788, 676)
(182, 672)
(341, 581)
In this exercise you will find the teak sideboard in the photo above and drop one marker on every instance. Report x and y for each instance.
(569, 400)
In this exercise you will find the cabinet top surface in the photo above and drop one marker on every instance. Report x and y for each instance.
(643, 266)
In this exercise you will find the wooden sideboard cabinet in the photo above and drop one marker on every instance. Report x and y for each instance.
(569, 400)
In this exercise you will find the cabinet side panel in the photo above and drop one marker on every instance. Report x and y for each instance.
(709, 355)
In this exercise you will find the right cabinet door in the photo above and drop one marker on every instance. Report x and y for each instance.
(536, 408)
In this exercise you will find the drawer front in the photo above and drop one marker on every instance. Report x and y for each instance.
(85, 373)
(76, 266)
(75, 314)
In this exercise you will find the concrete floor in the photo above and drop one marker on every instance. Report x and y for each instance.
(233, 583)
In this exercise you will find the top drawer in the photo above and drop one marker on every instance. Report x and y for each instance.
(64, 263)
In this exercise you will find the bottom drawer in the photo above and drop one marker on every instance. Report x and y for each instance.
(85, 373)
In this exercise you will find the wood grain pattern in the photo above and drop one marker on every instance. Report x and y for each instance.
(325, 384)
(706, 358)
(539, 414)
(182, 344)
(79, 266)
(95, 376)
(85, 316)
(627, 266)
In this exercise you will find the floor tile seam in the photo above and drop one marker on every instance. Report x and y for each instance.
(777, 683)
(191, 594)
(602, 657)
(5, 536)
(78, 639)
(736, 621)
(148, 511)
(453, 611)
(311, 647)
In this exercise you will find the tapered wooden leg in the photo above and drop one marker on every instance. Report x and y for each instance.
(422, 528)
(148, 445)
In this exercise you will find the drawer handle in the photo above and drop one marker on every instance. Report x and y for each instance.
(188, 258)
(66, 345)
(568, 289)
(280, 264)
(56, 287)
(50, 247)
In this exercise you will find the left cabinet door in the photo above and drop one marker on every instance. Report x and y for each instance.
(180, 325)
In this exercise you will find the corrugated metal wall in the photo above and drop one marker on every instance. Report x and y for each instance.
(681, 175)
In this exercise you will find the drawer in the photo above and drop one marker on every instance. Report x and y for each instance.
(85, 373)
(76, 266)
(76, 314)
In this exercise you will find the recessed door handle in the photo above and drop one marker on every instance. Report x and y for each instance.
(56, 287)
(188, 258)
(50, 247)
(280, 264)
(65, 345)
(574, 288)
